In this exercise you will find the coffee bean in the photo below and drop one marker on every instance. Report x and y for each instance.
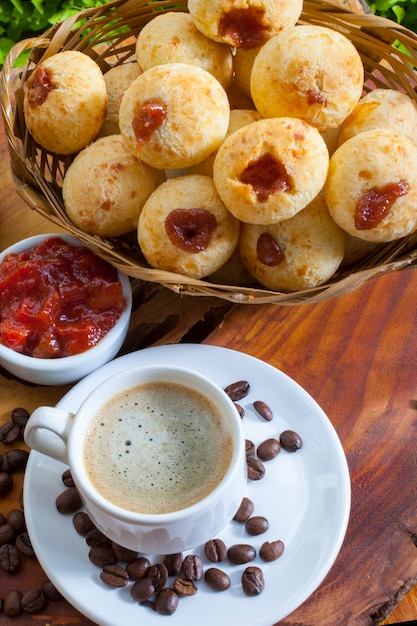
(9, 433)
(15, 460)
(7, 534)
(253, 581)
(184, 587)
(9, 557)
(290, 440)
(102, 556)
(50, 591)
(3, 520)
(16, 518)
(68, 501)
(173, 563)
(217, 579)
(11, 603)
(263, 410)
(166, 602)
(268, 449)
(123, 554)
(82, 522)
(271, 550)
(114, 575)
(244, 511)
(20, 416)
(67, 478)
(255, 468)
(138, 568)
(158, 574)
(96, 538)
(250, 447)
(142, 590)
(240, 410)
(256, 525)
(33, 601)
(241, 553)
(24, 544)
(215, 550)
(192, 567)
(238, 390)
(6, 483)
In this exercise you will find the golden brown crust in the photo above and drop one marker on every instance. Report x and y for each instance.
(117, 80)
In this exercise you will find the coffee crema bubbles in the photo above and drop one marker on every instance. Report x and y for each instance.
(157, 447)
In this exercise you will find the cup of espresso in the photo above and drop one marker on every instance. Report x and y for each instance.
(157, 454)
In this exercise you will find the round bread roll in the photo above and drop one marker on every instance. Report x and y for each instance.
(185, 228)
(299, 253)
(65, 102)
(269, 170)
(117, 80)
(105, 188)
(381, 108)
(233, 272)
(371, 187)
(174, 115)
(310, 72)
(244, 23)
(243, 63)
(173, 38)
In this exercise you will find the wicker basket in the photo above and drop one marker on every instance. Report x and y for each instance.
(105, 34)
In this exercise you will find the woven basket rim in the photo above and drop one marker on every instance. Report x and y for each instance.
(384, 65)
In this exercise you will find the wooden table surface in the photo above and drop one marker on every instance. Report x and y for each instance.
(356, 355)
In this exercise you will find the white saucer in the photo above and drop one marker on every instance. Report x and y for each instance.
(304, 495)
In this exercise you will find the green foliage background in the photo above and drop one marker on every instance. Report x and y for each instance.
(24, 18)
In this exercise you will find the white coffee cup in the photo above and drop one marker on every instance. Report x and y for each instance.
(63, 436)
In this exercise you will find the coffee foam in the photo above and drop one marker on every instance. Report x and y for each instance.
(157, 448)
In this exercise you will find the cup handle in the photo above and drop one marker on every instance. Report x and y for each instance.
(47, 431)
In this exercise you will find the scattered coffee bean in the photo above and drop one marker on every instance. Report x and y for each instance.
(173, 563)
(11, 603)
(217, 579)
(241, 553)
(7, 534)
(263, 410)
(142, 590)
(69, 501)
(96, 538)
(253, 581)
(271, 550)
(16, 518)
(250, 447)
(158, 574)
(244, 511)
(184, 587)
(255, 468)
(256, 525)
(33, 601)
(166, 602)
(123, 554)
(67, 478)
(238, 390)
(83, 524)
(290, 441)
(20, 416)
(268, 449)
(9, 557)
(24, 544)
(138, 568)
(9, 433)
(102, 556)
(114, 575)
(240, 410)
(6, 483)
(192, 567)
(50, 591)
(15, 460)
(215, 550)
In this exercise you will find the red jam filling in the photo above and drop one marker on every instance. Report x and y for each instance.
(57, 300)
(266, 176)
(244, 28)
(190, 229)
(268, 250)
(147, 120)
(376, 203)
(39, 86)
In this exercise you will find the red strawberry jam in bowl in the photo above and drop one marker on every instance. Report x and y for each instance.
(64, 311)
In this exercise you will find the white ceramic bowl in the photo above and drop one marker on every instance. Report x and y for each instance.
(68, 369)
